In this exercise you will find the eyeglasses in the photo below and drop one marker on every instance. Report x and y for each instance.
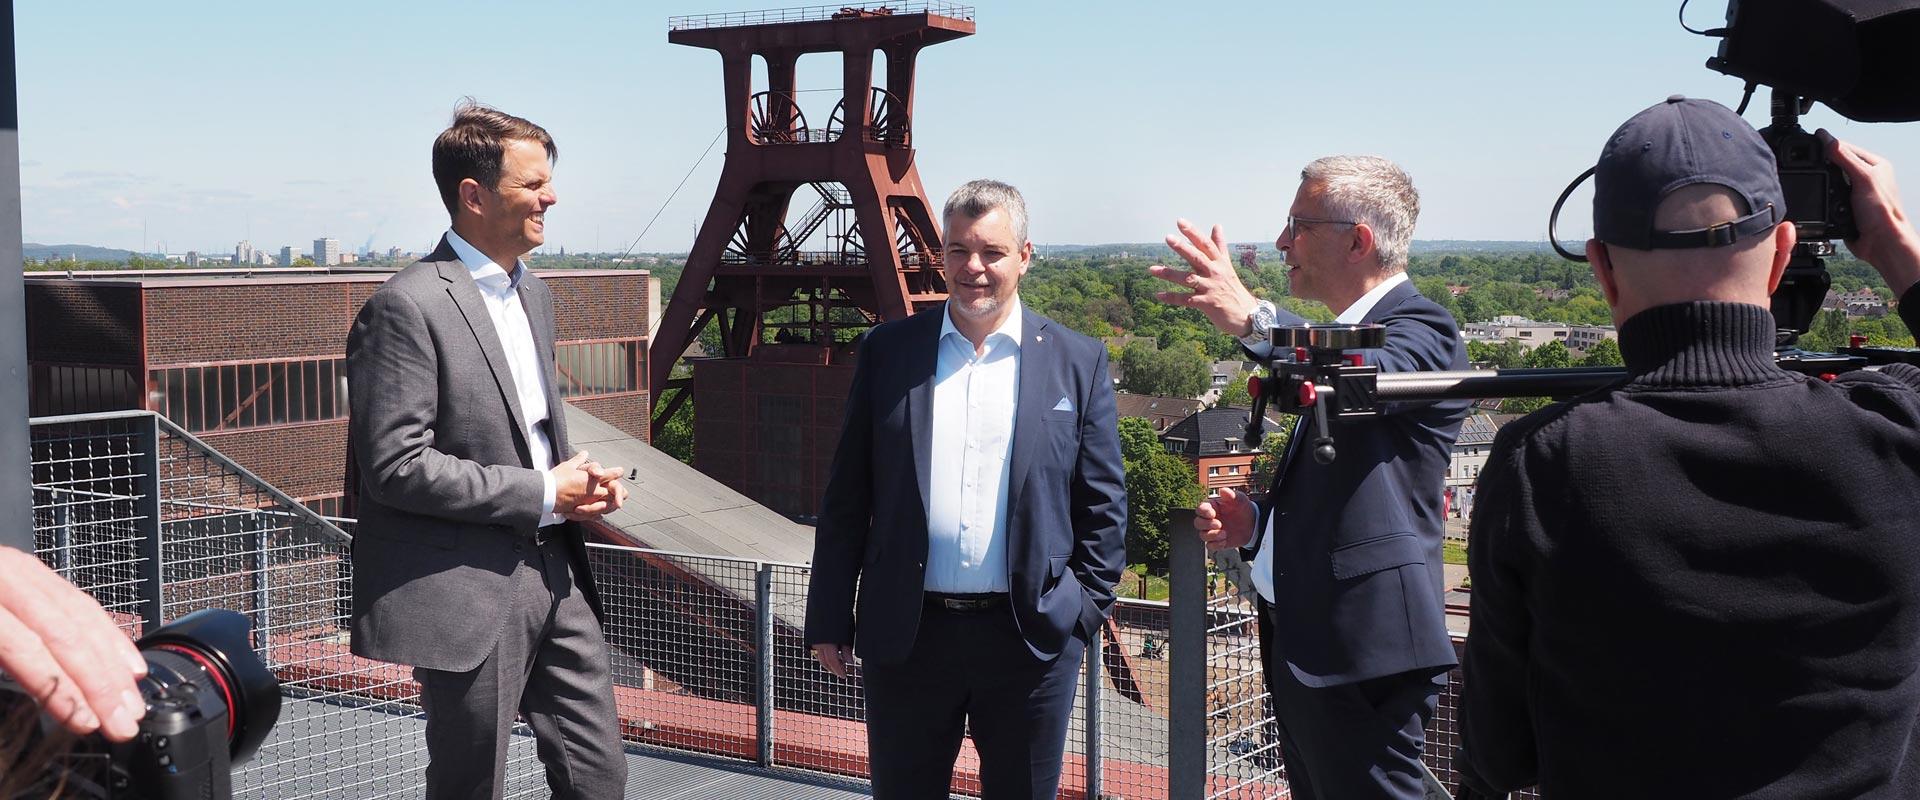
(1294, 222)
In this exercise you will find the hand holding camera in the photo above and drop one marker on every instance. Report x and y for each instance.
(63, 650)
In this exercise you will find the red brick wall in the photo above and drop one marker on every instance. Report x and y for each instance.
(75, 323)
(610, 305)
(301, 460)
(769, 430)
(243, 322)
(1213, 483)
(629, 413)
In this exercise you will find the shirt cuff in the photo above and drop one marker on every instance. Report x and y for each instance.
(549, 492)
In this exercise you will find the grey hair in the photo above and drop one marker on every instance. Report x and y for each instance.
(976, 198)
(1374, 191)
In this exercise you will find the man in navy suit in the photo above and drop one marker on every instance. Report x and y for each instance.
(1346, 555)
(978, 500)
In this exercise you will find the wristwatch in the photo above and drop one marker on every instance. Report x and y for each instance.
(1261, 322)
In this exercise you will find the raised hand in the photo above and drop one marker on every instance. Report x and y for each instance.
(1215, 287)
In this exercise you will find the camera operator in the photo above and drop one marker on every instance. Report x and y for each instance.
(60, 646)
(1704, 581)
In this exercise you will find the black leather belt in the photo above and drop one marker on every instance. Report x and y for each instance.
(548, 535)
(966, 603)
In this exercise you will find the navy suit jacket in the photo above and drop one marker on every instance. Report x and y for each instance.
(1357, 568)
(1066, 510)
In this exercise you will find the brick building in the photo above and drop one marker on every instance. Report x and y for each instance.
(1211, 441)
(254, 363)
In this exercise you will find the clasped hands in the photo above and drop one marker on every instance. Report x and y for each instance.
(585, 491)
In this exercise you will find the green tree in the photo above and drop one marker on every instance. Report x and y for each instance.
(1157, 483)
(1552, 355)
(1235, 394)
(1179, 370)
(1137, 440)
(1155, 486)
(1604, 354)
(1829, 332)
(676, 437)
(1506, 354)
(1272, 449)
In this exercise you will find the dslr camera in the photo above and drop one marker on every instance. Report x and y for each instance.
(210, 703)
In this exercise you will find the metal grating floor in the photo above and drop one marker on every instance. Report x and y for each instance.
(337, 759)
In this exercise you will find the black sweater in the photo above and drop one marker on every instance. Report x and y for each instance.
(1704, 581)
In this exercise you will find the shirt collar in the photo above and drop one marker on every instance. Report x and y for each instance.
(1360, 308)
(482, 268)
(1010, 328)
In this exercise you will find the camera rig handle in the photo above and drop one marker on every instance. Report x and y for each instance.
(1322, 370)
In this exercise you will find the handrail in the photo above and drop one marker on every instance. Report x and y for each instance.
(295, 508)
(777, 16)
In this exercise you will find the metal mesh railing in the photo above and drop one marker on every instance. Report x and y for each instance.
(94, 507)
(156, 525)
(776, 16)
(708, 655)
(1243, 747)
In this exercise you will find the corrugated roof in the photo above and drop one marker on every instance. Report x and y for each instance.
(675, 507)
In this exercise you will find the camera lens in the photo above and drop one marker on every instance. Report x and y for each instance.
(208, 656)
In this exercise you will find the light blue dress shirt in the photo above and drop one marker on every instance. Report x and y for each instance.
(973, 416)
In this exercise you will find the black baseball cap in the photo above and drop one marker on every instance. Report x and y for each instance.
(1679, 143)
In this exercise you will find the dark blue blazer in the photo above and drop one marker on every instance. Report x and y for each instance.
(1066, 510)
(1357, 568)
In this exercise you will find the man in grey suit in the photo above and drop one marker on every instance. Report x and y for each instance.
(469, 564)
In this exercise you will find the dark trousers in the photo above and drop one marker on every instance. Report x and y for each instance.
(1358, 740)
(970, 670)
(551, 665)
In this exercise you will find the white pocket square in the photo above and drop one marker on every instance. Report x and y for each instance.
(1063, 405)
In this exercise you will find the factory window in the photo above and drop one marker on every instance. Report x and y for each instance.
(593, 369)
(225, 397)
(78, 389)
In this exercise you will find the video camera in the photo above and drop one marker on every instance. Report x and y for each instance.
(1853, 55)
(210, 703)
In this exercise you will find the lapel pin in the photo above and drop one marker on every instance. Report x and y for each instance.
(1039, 338)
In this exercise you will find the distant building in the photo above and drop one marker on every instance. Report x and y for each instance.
(1212, 441)
(1162, 412)
(1221, 373)
(1470, 450)
(243, 252)
(193, 258)
(326, 252)
(288, 255)
(393, 254)
(349, 258)
(1581, 337)
(1528, 333)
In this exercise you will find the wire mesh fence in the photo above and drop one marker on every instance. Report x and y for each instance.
(708, 651)
(156, 525)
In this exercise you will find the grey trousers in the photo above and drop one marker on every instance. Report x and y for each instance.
(551, 665)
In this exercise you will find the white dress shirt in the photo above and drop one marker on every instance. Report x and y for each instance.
(501, 291)
(973, 416)
(1263, 561)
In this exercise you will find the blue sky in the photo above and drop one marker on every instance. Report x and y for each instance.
(199, 124)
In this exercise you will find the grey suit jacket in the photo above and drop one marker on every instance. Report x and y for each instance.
(448, 498)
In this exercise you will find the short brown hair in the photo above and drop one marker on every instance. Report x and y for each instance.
(475, 146)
